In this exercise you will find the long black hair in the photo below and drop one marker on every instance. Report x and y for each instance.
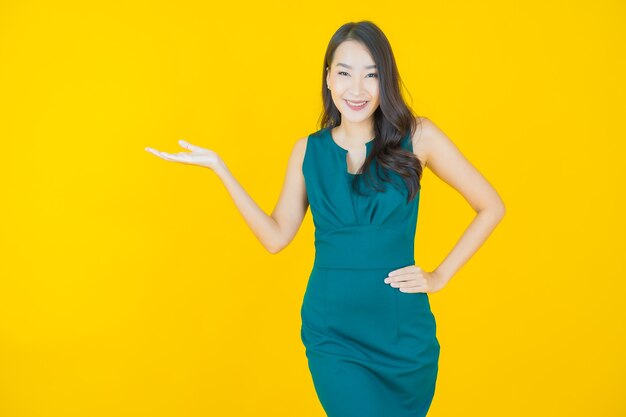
(393, 119)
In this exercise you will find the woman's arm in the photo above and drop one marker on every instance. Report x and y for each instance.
(447, 162)
(277, 230)
(274, 231)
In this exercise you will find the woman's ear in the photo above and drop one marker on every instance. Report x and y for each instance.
(327, 79)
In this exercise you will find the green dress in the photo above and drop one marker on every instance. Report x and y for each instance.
(372, 350)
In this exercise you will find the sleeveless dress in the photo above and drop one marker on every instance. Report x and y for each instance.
(371, 349)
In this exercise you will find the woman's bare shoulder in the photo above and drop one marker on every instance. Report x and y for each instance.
(424, 128)
(298, 151)
(299, 147)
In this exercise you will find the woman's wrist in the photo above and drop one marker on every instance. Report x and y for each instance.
(220, 168)
(442, 275)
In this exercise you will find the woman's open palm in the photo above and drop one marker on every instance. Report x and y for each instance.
(197, 155)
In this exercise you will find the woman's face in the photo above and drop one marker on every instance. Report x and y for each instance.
(353, 77)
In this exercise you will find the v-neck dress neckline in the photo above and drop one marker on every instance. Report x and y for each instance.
(344, 152)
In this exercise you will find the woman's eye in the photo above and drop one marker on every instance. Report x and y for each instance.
(371, 73)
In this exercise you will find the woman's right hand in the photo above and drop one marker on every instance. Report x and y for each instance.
(198, 156)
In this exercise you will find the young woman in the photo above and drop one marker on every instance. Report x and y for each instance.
(367, 326)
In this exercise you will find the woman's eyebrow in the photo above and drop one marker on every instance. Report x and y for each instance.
(348, 66)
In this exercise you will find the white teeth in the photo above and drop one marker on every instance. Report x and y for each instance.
(359, 104)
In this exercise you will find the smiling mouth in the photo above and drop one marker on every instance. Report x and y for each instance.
(356, 103)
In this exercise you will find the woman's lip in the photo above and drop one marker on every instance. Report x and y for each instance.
(359, 107)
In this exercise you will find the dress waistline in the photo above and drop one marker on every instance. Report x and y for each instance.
(364, 247)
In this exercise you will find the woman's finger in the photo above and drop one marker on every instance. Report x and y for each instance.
(153, 151)
(189, 146)
(404, 283)
(169, 157)
(400, 278)
(160, 154)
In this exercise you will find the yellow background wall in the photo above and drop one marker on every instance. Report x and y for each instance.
(131, 286)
